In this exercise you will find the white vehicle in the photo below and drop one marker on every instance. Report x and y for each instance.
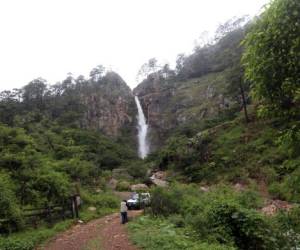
(138, 200)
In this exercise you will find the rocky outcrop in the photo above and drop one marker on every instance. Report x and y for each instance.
(109, 106)
(170, 104)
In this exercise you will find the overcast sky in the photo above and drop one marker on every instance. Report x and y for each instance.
(49, 38)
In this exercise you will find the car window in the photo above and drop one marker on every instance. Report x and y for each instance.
(135, 196)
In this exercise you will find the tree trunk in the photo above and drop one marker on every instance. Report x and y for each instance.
(244, 103)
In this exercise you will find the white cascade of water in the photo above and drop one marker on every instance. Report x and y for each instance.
(142, 130)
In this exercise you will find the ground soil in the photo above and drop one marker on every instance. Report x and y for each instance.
(106, 233)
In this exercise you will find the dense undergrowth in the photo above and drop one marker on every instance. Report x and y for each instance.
(184, 217)
(104, 203)
(236, 152)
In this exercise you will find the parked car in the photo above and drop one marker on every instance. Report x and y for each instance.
(138, 200)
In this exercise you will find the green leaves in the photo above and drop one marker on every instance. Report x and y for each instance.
(271, 59)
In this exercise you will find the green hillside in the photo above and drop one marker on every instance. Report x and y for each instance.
(224, 132)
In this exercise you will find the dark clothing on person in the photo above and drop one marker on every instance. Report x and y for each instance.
(123, 210)
(124, 217)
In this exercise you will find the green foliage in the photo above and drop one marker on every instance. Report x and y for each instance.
(220, 216)
(246, 228)
(123, 186)
(9, 207)
(214, 57)
(30, 239)
(288, 228)
(104, 202)
(155, 233)
(165, 201)
(272, 58)
(288, 188)
(289, 141)
(138, 170)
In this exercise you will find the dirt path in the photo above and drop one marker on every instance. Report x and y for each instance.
(105, 233)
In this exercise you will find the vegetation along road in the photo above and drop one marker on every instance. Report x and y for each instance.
(105, 233)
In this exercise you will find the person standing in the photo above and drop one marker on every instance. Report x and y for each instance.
(123, 211)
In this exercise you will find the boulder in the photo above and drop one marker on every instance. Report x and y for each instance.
(138, 187)
(204, 189)
(92, 209)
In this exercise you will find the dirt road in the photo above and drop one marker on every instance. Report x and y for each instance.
(106, 233)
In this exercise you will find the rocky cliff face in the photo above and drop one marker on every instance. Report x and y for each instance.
(170, 104)
(110, 106)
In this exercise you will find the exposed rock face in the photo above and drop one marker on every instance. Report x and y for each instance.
(109, 105)
(169, 104)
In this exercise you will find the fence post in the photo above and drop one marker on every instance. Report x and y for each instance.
(75, 209)
(49, 214)
(77, 198)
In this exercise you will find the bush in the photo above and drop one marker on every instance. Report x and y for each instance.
(287, 224)
(29, 240)
(9, 208)
(165, 201)
(107, 200)
(48, 186)
(288, 189)
(222, 215)
(155, 233)
(123, 186)
(246, 228)
(138, 170)
(101, 200)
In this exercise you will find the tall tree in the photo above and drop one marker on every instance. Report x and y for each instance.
(97, 73)
(148, 68)
(272, 57)
(33, 93)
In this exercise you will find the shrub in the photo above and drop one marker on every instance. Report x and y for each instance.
(138, 170)
(287, 224)
(107, 200)
(155, 233)
(101, 200)
(246, 228)
(165, 201)
(123, 186)
(9, 208)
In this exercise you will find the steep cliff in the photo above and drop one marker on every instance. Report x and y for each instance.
(109, 106)
(198, 90)
(168, 105)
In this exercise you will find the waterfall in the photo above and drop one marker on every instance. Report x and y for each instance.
(142, 130)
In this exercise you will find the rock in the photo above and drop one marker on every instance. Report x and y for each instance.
(160, 175)
(109, 105)
(92, 209)
(239, 187)
(138, 187)
(274, 206)
(159, 179)
(80, 222)
(160, 183)
(204, 189)
(168, 105)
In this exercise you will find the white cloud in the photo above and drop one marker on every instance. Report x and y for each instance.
(50, 38)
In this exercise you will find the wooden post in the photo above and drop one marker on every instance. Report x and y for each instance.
(49, 214)
(76, 206)
(73, 207)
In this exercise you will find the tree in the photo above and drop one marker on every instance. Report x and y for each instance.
(272, 57)
(33, 93)
(97, 73)
(238, 87)
(148, 68)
